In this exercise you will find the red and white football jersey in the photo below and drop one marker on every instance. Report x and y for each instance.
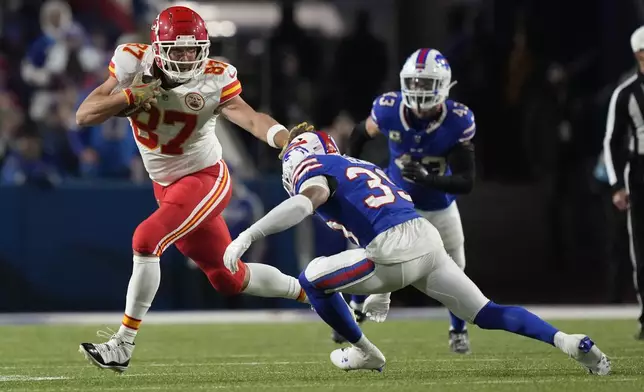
(177, 136)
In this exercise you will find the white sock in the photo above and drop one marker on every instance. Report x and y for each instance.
(268, 281)
(143, 286)
(560, 340)
(364, 344)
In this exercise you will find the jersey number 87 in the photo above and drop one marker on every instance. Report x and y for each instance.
(170, 117)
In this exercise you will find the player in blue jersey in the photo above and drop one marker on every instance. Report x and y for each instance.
(431, 155)
(398, 248)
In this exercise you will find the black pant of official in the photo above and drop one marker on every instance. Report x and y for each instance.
(636, 231)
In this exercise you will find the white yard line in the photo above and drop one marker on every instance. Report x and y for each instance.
(579, 312)
(18, 377)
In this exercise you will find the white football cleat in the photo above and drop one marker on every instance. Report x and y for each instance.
(353, 358)
(459, 342)
(584, 350)
(114, 354)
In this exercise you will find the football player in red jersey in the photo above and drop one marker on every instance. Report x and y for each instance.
(172, 94)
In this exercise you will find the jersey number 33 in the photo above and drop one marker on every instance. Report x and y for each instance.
(377, 180)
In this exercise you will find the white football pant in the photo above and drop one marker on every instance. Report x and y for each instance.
(448, 224)
(370, 271)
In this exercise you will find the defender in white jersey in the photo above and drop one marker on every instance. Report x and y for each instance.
(172, 94)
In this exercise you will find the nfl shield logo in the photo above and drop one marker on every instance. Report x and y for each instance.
(417, 138)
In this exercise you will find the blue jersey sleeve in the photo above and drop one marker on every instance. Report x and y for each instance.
(310, 167)
(464, 122)
(384, 111)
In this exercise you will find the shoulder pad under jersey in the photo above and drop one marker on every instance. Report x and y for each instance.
(128, 60)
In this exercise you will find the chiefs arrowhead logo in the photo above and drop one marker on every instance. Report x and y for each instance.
(195, 101)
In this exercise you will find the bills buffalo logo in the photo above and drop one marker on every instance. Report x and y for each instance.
(441, 62)
(195, 101)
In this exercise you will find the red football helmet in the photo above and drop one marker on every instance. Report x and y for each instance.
(179, 27)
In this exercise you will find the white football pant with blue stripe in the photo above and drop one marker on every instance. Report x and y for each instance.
(411, 253)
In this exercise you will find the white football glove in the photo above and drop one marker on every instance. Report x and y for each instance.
(376, 307)
(234, 252)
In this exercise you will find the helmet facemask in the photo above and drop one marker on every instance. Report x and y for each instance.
(290, 161)
(424, 92)
(181, 71)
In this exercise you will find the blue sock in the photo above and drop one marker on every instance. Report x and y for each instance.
(457, 325)
(359, 299)
(333, 309)
(517, 320)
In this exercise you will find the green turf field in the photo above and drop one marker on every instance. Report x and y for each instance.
(294, 357)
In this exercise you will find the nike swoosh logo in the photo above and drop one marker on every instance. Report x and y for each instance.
(232, 75)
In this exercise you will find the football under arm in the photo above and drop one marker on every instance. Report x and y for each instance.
(291, 211)
(261, 125)
(361, 134)
(101, 104)
(461, 181)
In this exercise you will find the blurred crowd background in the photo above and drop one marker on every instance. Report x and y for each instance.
(538, 74)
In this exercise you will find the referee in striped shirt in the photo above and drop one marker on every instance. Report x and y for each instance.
(624, 156)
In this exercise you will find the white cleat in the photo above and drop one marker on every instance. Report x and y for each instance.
(584, 350)
(114, 354)
(459, 342)
(352, 358)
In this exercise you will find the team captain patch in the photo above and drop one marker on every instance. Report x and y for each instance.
(195, 101)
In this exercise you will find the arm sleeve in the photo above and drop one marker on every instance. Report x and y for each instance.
(461, 181)
(286, 215)
(358, 138)
(615, 139)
